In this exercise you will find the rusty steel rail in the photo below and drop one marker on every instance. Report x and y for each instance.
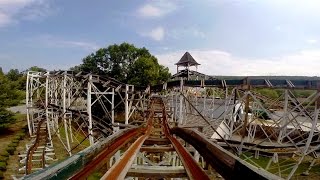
(194, 171)
(39, 139)
(102, 157)
(120, 169)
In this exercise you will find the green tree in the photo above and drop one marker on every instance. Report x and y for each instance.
(75, 69)
(164, 73)
(14, 74)
(6, 118)
(9, 94)
(126, 63)
(36, 68)
(144, 71)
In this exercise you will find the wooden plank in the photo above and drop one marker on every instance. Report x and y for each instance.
(156, 149)
(158, 141)
(157, 172)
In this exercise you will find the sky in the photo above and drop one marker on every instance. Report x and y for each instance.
(227, 37)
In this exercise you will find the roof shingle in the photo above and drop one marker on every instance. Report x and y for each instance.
(187, 60)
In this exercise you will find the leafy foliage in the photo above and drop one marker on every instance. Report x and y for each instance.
(6, 118)
(11, 92)
(3, 166)
(14, 75)
(126, 63)
(10, 150)
(36, 68)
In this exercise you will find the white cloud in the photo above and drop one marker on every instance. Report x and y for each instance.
(149, 11)
(12, 11)
(198, 33)
(180, 33)
(156, 33)
(216, 62)
(4, 19)
(53, 41)
(278, 28)
(154, 9)
(80, 44)
(312, 41)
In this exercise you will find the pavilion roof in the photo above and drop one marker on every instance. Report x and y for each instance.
(187, 60)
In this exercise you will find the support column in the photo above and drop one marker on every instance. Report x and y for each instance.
(126, 106)
(28, 105)
(283, 123)
(246, 121)
(204, 101)
(112, 106)
(89, 91)
(47, 111)
(180, 102)
(234, 114)
(196, 156)
(69, 104)
(64, 113)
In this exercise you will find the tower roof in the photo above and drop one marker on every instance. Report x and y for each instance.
(187, 60)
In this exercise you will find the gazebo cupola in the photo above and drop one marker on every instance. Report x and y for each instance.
(187, 61)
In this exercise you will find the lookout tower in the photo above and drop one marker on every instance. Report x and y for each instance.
(187, 61)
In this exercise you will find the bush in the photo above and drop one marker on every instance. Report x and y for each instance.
(20, 135)
(13, 145)
(25, 129)
(6, 118)
(11, 150)
(3, 159)
(3, 166)
(261, 114)
(1, 175)
(15, 141)
(5, 154)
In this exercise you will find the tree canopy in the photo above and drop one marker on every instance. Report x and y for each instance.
(12, 86)
(36, 68)
(6, 118)
(11, 92)
(126, 63)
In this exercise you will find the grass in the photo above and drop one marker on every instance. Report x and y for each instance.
(95, 176)
(6, 138)
(284, 166)
(78, 137)
(20, 117)
(20, 123)
(7, 135)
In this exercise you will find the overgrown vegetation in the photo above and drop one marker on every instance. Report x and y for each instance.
(12, 88)
(282, 165)
(10, 149)
(127, 64)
